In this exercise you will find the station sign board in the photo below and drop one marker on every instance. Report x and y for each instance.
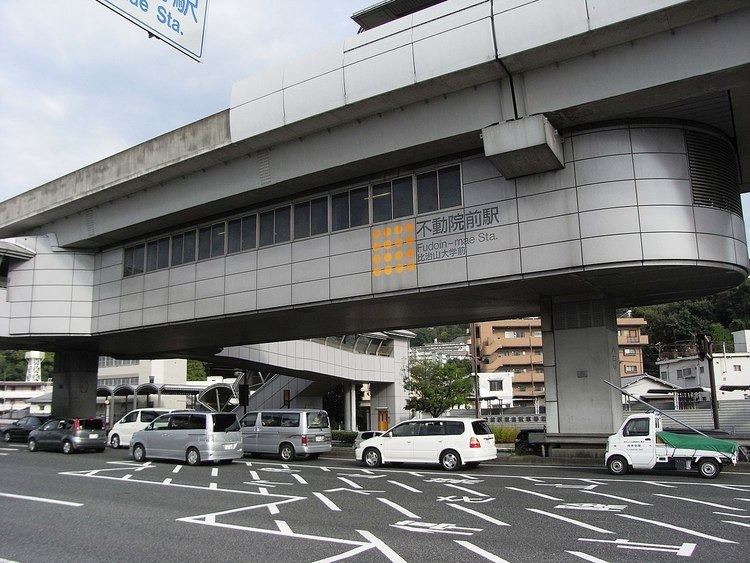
(180, 23)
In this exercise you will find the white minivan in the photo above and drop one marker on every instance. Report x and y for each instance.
(131, 423)
(451, 442)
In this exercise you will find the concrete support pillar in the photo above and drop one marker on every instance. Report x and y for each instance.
(350, 406)
(580, 352)
(74, 384)
(111, 413)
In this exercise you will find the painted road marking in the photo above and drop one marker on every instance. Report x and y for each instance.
(392, 556)
(571, 521)
(349, 482)
(434, 528)
(126, 477)
(215, 472)
(743, 524)
(299, 479)
(328, 502)
(254, 476)
(743, 499)
(213, 485)
(684, 550)
(655, 484)
(533, 493)
(283, 527)
(167, 481)
(400, 508)
(479, 515)
(592, 506)
(324, 469)
(42, 499)
(1, 453)
(678, 528)
(9, 449)
(465, 490)
(561, 486)
(177, 468)
(359, 492)
(587, 557)
(481, 552)
(701, 502)
(533, 479)
(346, 554)
(733, 515)
(625, 499)
(407, 487)
(454, 498)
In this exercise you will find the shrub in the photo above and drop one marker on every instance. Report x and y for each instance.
(504, 434)
(343, 436)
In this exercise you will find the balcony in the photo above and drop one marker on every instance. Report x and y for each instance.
(526, 378)
(625, 340)
(496, 342)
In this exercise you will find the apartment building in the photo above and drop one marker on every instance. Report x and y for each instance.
(515, 345)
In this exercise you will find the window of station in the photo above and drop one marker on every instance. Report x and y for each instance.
(391, 200)
(275, 226)
(440, 189)
(183, 248)
(311, 218)
(350, 209)
(133, 260)
(157, 254)
(211, 241)
(241, 233)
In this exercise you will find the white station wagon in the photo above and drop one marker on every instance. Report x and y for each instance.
(450, 442)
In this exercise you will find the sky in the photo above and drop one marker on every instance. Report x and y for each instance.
(78, 83)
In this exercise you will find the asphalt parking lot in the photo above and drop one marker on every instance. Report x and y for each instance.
(92, 507)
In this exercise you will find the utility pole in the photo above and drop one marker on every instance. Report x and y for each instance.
(472, 328)
(705, 353)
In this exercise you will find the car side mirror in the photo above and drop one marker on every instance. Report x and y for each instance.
(149, 427)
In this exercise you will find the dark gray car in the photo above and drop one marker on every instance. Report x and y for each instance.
(69, 435)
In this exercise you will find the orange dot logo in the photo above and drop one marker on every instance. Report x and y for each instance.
(411, 266)
(397, 229)
(410, 252)
(399, 269)
(376, 259)
(409, 239)
(377, 246)
(399, 255)
(376, 233)
(387, 257)
(387, 243)
(387, 231)
(376, 272)
(388, 270)
(409, 227)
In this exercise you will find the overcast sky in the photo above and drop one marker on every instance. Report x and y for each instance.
(79, 83)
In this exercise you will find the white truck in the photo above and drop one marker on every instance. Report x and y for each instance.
(640, 443)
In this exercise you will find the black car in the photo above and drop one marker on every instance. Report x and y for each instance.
(524, 447)
(19, 430)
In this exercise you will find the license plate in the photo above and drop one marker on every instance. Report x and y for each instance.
(320, 438)
(228, 446)
(93, 435)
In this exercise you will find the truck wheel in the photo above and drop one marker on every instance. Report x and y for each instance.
(709, 468)
(617, 465)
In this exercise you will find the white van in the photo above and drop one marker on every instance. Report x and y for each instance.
(288, 433)
(451, 442)
(132, 422)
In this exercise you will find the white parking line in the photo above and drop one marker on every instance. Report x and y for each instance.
(392, 556)
(679, 529)
(41, 499)
(349, 482)
(743, 524)
(571, 521)
(550, 497)
(215, 472)
(8, 449)
(725, 507)
(655, 484)
(346, 554)
(587, 557)
(479, 515)
(400, 508)
(481, 552)
(733, 515)
(743, 499)
(1, 453)
(299, 478)
(403, 486)
(254, 476)
(128, 476)
(167, 481)
(473, 492)
(177, 468)
(213, 485)
(625, 499)
(328, 502)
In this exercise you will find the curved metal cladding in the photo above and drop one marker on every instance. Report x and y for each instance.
(641, 211)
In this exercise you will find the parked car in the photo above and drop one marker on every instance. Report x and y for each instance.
(288, 433)
(132, 422)
(451, 442)
(365, 435)
(20, 429)
(69, 435)
(189, 436)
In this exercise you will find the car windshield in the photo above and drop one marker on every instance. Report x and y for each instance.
(225, 423)
(480, 427)
(318, 420)
(92, 424)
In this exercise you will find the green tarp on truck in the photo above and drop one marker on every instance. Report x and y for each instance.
(698, 442)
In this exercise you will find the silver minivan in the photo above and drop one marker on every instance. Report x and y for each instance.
(288, 433)
(190, 436)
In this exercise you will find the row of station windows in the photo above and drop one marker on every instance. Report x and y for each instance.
(385, 201)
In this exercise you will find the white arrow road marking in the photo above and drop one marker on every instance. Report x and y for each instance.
(407, 487)
(400, 508)
(678, 528)
(328, 502)
(744, 524)
(481, 552)
(684, 550)
(478, 515)
(571, 521)
(701, 502)
(625, 499)
(392, 556)
(41, 499)
(533, 493)
(587, 557)
(592, 506)
(477, 493)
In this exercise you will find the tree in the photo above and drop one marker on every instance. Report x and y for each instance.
(447, 333)
(13, 365)
(196, 371)
(436, 387)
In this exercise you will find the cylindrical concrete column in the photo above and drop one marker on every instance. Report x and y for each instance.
(74, 384)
